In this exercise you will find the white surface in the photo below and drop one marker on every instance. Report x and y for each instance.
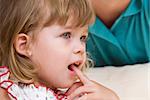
(130, 82)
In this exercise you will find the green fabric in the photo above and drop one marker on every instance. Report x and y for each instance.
(127, 41)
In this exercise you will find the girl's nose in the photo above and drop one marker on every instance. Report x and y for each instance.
(79, 48)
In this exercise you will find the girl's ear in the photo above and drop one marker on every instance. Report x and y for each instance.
(21, 44)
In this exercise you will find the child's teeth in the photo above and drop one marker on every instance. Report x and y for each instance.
(77, 63)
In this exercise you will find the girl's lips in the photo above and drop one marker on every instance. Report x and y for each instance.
(72, 66)
(76, 64)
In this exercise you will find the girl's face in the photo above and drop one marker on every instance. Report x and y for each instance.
(55, 50)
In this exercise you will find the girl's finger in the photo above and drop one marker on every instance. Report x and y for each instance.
(80, 91)
(73, 88)
(86, 97)
(81, 76)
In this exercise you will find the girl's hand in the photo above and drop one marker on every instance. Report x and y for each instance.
(3, 94)
(89, 90)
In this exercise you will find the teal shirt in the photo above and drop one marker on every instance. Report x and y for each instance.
(127, 41)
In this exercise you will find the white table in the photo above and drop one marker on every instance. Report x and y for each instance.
(131, 82)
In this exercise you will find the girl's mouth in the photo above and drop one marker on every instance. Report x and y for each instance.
(70, 67)
(75, 64)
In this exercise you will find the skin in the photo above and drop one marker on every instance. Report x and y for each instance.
(89, 90)
(55, 48)
(52, 44)
(3, 94)
(109, 10)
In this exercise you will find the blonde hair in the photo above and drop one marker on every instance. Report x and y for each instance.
(25, 16)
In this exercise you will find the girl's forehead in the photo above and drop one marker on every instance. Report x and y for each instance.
(82, 30)
(72, 24)
(72, 27)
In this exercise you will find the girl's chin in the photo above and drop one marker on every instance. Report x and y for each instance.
(67, 85)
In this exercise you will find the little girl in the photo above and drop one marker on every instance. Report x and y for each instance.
(42, 48)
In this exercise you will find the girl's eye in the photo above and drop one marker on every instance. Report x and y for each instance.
(83, 38)
(66, 35)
